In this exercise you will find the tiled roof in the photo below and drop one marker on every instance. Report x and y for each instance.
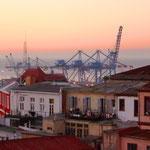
(65, 142)
(42, 76)
(135, 132)
(142, 73)
(111, 87)
(131, 132)
(40, 87)
(133, 90)
(145, 88)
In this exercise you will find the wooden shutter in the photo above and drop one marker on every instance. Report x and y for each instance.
(70, 102)
(75, 101)
(84, 105)
(98, 105)
(89, 103)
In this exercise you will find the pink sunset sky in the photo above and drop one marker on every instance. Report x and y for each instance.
(52, 25)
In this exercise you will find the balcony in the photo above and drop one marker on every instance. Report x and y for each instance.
(89, 115)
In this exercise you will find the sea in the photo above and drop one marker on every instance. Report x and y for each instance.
(135, 58)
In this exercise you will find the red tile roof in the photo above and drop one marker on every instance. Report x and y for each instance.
(142, 73)
(64, 142)
(135, 132)
(42, 76)
(145, 88)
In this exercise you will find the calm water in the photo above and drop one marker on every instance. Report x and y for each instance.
(137, 59)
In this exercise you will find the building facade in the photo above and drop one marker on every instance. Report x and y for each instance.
(127, 108)
(4, 103)
(84, 99)
(133, 138)
(41, 99)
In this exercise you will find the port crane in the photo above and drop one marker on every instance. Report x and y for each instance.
(93, 68)
(81, 68)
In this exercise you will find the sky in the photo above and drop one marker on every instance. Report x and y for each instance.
(56, 28)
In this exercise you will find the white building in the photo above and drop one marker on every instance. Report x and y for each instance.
(127, 104)
(41, 99)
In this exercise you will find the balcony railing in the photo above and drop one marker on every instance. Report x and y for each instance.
(89, 115)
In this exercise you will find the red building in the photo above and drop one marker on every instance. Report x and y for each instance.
(37, 75)
(4, 103)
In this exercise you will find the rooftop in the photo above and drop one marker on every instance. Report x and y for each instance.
(40, 87)
(145, 88)
(42, 76)
(135, 132)
(8, 129)
(111, 87)
(55, 117)
(142, 74)
(65, 142)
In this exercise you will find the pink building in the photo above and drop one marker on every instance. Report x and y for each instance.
(133, 138)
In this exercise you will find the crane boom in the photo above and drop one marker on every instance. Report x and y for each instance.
(118, 43)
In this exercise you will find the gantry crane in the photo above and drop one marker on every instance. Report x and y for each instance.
(93, 68)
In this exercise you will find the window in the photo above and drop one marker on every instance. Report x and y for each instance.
(113, 103)
(86, 131)
(86, 126)
(132, 146)
(101, 105)
(51, 106)
(79, 125)
(3, 99)
(32, 99)
(148, 148)
(68, 131)
(51, 101)
(21, 106)
(32, 106)
(86, 104)
(73, 131)
(7, 101)
(41, 104)
(73, 124)
(67, 124)
(147, 105)
(135, 108)
(49, 128)
(79, 132)
(121, 104)
(41, 107)
(73, 102)
(21, 98)
(41, 100)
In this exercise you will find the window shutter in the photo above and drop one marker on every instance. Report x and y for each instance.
(70, 102)
(98, 105)
(104, 103)
(84, 105)
(75, 101)
(89, 103)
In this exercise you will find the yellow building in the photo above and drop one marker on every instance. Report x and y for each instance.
(59, 124)
(97, 99)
